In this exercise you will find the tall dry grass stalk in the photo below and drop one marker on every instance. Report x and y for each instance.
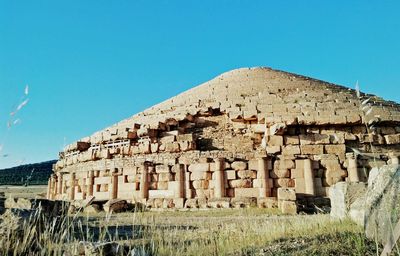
(214, 232)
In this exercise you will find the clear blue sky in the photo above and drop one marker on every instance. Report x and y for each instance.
(89, 64)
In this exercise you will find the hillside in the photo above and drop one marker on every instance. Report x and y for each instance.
(33, 174)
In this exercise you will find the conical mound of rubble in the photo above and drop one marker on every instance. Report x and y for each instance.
(249, 136)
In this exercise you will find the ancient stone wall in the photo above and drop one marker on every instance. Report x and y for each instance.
(279, 141)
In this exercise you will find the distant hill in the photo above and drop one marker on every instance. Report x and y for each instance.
(32, 174)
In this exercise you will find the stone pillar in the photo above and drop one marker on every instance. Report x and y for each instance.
(309, 177)
(59, 183)
(180, 181)
(89, 183)
(114, 185)
(265, 190)
(52, 187)
(144, 184)
(72, 187)
(352, 169)
(49, 188)
(188, 190)
(219, 185)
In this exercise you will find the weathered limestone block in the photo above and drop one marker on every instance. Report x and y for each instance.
(253, 165)
(244, 174)
(382, 204)
(203, 194)
(286, 194)
(243, 202)
(172, 147)
(246, 192)
(167, 139)
(200, 167)
(246, 183)
(291, 150)
(312, 149)
(219, 203)
(230, 174)
(239, 165)
(162, 168)
(273, 149)
(191, 203)
(343, 195)
(280, 173)
(291, 140)
(154, 147)
(337, 138)
(288, 207)
(162, 185)
(200, 184)
(200, 176)
(284, 164)
(275, 140)
(334, 172)
(392, 139)
(267, 202)
(144, 148)
(187, 145)
(296, 173)
(185, 137)
(335, 149)
(284, 183)
(160, 193)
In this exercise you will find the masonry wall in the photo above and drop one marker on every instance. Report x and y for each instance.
(209, 160)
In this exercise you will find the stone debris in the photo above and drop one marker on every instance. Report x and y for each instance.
(244, 134)
(375, 206)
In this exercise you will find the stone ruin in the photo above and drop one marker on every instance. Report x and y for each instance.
(251, 136)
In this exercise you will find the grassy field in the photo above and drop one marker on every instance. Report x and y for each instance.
(249, 231)
(38, 191)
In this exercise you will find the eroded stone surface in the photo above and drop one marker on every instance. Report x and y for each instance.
(210, 142)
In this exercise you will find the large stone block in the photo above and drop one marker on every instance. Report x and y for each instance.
(335, 149)
(244, 174)
(273, 149)
(219, 203)
(246, 183)
(165, 176)
(344, 194)
(284, 183)
(291, 150)
(115, 206)
(286, 194)
(280, 173)
(267, 202)
(230, 174)
(247, 192)
(239, 165)
(275, 140)
(200, 167)
(200, 184)
(392, 139)
(291, 140)
(288, 207)
(312, 149)
(200, 176)
(382, 204)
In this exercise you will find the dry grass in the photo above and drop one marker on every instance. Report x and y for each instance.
(213, 232)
